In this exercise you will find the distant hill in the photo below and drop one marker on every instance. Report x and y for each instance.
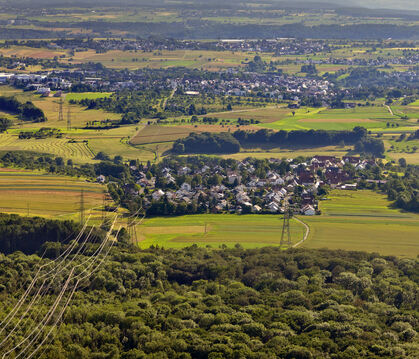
(373, 4)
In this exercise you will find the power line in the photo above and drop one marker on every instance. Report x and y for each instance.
(69, 118)
(133, 222)
(60, 110)
(82, 206)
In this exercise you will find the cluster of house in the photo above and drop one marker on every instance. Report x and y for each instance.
(40, 83)
(277, 86)
(242, 190)
(286, 46)
(144, 45)
(274, 86)
(408, 58)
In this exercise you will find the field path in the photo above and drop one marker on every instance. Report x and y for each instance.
(168, 98)
(305, 235)
(389, 110)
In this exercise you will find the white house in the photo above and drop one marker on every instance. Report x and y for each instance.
(4, 77)
(308, 210)
(273, 207)
(157, 195)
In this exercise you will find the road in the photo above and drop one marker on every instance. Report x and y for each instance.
(163, 107)
(305, 235)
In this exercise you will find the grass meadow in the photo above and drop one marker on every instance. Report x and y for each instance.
(363, 220)
(350, 220)
(371, 117)
(250, 231)
(86, 95)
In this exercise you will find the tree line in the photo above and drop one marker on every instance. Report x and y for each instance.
(114, 170)
(226, 142)
(25, 111)
(404, 190)
(30, 234)
(208, 143)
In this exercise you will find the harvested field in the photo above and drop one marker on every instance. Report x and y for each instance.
(156, 133)
(337, 120)
(37, 194)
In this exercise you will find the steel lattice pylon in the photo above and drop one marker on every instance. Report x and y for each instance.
(286, 233)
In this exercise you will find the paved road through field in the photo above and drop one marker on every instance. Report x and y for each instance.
(305, 235)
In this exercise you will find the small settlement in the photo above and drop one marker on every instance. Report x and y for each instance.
(191, 185)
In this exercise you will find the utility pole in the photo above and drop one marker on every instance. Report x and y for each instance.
(132, 229)
(69, 119)
(104, 208)
(82, 207)
(60, 110)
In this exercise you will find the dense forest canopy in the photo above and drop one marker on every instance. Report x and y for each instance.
(234, 303)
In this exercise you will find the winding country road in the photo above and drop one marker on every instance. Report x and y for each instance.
(389, 110)
(305, 235)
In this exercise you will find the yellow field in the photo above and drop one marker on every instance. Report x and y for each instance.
(157, 133)
(264, 115)
(79, 152)
(287, 153)
(209, 60)
(79, 116)
(50, 105)
(38, 194)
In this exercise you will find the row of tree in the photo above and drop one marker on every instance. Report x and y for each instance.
(208, 143)
(226, 142)
(114, 170)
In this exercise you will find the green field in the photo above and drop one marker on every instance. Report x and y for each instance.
(37, 194)
(86, 95)
(371, 117)
(363, 220)
(351, 220)
(215, 229)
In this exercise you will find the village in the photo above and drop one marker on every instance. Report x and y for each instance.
(193, 185)
(255, 79)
